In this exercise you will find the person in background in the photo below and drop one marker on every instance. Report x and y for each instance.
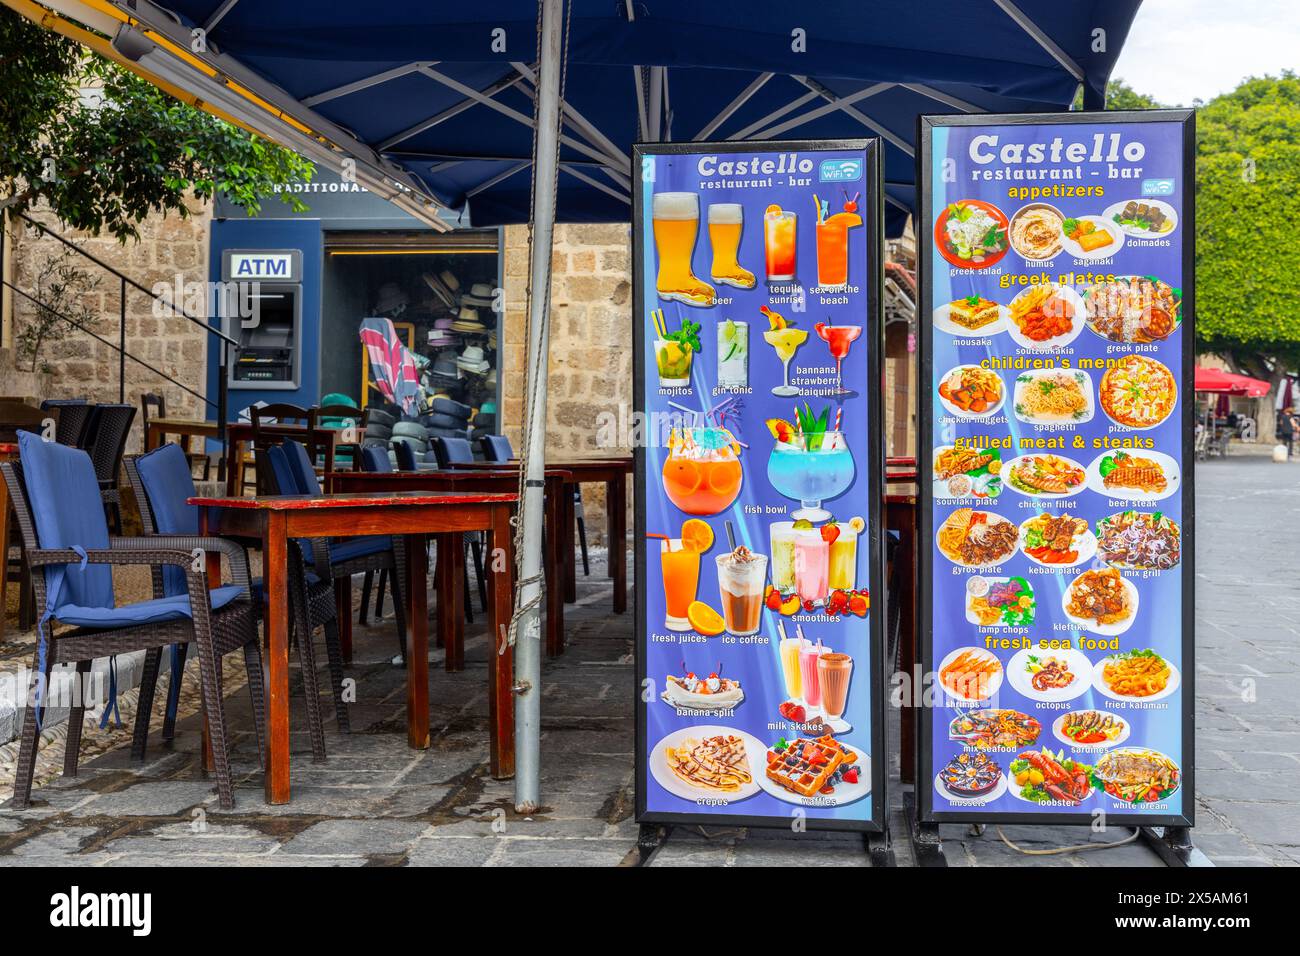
(1288, 425)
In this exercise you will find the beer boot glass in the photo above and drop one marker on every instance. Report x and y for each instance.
(676, 224)
(726, 220)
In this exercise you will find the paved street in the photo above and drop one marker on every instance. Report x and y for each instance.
(375, 802)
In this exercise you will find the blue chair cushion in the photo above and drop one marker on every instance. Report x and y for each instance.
(374, 458)
(282, 473)
(301, 466)
(165, 474)
(405, 456)
(449, 450)
(68, 511)
(496, 448)
(259, 591)
(159, 610)
(347, 549)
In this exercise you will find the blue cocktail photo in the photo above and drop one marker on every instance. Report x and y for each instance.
(811, 468)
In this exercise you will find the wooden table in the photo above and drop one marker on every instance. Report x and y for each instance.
(613, 472)
(278, 520)
(238, 434)
(451, 561)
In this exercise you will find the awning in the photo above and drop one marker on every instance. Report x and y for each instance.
(1227, 383)
(434, 100)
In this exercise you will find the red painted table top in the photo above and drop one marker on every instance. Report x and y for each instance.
(359, 500)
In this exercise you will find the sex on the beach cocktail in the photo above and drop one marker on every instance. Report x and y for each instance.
(702, 473)
(810, 469)
(833, 243)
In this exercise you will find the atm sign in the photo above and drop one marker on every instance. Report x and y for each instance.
(261, 265)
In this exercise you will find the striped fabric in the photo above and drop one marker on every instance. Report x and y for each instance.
(391, 364)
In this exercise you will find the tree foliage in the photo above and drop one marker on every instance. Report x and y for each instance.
(1121, 96)
(104, 149)
(1247, 214)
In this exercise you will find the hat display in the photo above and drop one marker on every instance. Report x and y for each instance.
(392, 299)
(480, 293)
(449, 280)
(472, 360)
(467, 320)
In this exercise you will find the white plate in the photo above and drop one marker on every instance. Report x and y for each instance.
(678, 787)
(844, 792)
(945, 324)
(962, 564)
(1076, 661)
(1170, 212)
(941, 489)
(1087, 548)
(1143, 750)
(997, 791)
(1028, 207)
(1099, 682)
(954, 410)
(1105, 630)
(1077, 321)
(1106, 251)
(995, 682)
(1009, 466)
(1027, 380)
(1057, 805)
(1173, 477)
(970, 615)
(1058, 726)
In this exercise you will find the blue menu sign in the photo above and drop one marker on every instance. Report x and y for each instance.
(1056, 435)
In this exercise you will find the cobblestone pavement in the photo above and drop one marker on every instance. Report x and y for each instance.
(376, 802)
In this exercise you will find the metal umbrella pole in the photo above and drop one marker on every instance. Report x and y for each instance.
(526, 628)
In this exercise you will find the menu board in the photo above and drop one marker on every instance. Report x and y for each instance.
(759, 470)
(1056, 423)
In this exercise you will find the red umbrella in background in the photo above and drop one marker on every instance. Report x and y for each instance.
(1228, 383)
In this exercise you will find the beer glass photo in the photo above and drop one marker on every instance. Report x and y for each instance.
(726, 220)
(676, 225)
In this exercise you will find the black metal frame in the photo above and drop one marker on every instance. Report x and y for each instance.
(1175, 834)
(653, 824)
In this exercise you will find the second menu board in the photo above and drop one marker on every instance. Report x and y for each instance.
(758, 549)
(1056, 548)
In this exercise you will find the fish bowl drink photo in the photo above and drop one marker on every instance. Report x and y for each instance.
(676, 226)
(726, 222)
(702, 474)
(811, 469)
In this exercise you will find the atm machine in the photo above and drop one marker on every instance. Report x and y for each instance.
(267, 287)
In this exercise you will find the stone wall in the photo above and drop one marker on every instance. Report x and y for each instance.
(590, 370)
(82, 367)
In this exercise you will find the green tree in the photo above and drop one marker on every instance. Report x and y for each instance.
(104, 149)
(1121, 96)
(1247, 210)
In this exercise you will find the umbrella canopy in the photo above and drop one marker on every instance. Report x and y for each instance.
(441, 95)
(1227, 383)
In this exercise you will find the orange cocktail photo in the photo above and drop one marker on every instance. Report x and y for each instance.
(681, 571)
(702, 473)
(779, 243)
(833, 244)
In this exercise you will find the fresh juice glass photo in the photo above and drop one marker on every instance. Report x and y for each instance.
(733, 354)
(726, 220)
(741, 575)
(779, 243)
(811, 566)
(674, 362)
(810, 469)
(681, 573)
(844, 560)
(676, 224)
(782, 535)
(702, 473)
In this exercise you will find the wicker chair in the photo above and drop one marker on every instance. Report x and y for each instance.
(72, 556)
(74, 417)
(105, 440)
(290, 471)
(162, 482)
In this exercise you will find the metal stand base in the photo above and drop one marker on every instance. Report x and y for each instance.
(650, 838)
(1174, 846)
(880, 847)
(927, 848)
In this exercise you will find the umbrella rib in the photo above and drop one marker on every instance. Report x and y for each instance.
(366, 82)
(942, 97)
(774, 115)
(492, 90)
(489, 183)
(730, 109)
(583, 126)
(858, 115)
(218, 15)
(1026, 23)
(595, 184)
(833, 104)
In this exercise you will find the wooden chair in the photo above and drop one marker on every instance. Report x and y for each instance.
(197, 459)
